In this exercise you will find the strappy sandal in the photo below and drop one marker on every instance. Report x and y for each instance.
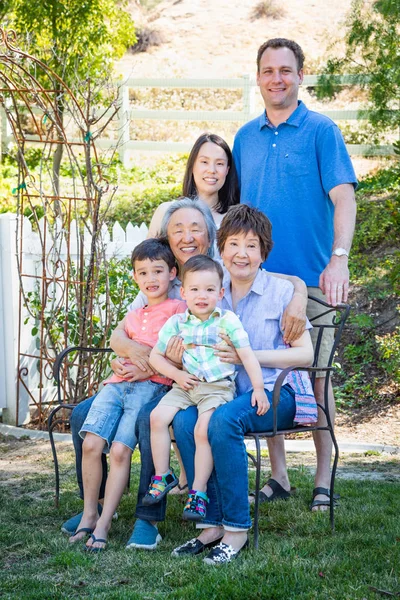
(159, 487)
(94, 540)
(278, 492)
(196, 506)
(87, 530)
(179, 490)
(325, 492)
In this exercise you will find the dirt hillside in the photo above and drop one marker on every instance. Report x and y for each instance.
(220, 39)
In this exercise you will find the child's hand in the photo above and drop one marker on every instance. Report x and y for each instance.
(186, 381)
(260, 398)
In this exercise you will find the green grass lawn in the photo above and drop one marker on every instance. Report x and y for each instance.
(298, 556)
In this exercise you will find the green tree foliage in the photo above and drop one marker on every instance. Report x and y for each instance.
(372, 54)
(5, 10)
(78, 39)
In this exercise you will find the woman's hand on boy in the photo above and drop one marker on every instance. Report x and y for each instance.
(260, 398)
(140, 357)
(175, 350)
(128, 371)
(226, 351)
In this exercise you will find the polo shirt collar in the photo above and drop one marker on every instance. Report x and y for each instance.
(188, 316)
(295, 119)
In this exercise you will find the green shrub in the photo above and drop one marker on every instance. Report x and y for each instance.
(389, 350)
(139, 207)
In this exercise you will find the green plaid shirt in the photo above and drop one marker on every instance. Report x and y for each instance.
(199, 337)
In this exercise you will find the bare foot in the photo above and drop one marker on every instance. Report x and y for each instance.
(236, 539)
(210, 534)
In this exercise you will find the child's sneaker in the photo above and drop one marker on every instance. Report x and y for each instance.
(196, 506)
(159, 487)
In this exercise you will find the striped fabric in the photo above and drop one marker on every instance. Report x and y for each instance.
(306, 405)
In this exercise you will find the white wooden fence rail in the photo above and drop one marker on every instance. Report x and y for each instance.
(119, 244)
(247, 84)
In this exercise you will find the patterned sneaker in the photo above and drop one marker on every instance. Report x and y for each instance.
(196, 506)
(144, 536)
(223, 553)
(193, 547)
(159, 487)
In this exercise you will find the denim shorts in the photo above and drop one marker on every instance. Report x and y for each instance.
(114, 411)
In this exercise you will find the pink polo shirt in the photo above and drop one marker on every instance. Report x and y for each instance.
(143, 324)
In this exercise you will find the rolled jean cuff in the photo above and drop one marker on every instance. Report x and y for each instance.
(203, 525)
(156, 519)
(236, 529)
(235, 526)
(209, 523)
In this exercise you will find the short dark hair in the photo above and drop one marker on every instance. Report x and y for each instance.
(282, 43)
(243, 219)
(154, 249)
(228, 195)
(201, 262)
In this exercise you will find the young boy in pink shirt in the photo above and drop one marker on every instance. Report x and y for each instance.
(110, 423)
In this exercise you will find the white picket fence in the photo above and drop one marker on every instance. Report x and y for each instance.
(119, 244)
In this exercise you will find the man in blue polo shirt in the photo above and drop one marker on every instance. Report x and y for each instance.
(293, 165)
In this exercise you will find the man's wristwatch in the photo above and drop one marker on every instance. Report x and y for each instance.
(340, 252)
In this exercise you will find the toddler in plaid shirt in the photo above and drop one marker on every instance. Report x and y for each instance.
(204, 380)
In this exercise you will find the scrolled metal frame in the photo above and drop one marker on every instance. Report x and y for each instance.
(339, 317)
(29, 88)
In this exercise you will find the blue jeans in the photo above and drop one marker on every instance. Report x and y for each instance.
(154, 512)
(228, 485)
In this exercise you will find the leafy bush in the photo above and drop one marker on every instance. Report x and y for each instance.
(371, 54)
(389, 350)
(139, 207)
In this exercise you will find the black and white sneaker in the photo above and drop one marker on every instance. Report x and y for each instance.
(223, 553)
(193, 547)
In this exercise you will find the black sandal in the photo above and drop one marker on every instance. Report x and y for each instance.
(326, 492)
(278, 492)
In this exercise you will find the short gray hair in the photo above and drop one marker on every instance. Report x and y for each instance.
(197, 204)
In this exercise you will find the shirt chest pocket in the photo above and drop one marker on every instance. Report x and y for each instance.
(266, 331)
(296, 164)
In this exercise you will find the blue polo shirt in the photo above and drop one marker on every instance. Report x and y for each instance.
(287, 172)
